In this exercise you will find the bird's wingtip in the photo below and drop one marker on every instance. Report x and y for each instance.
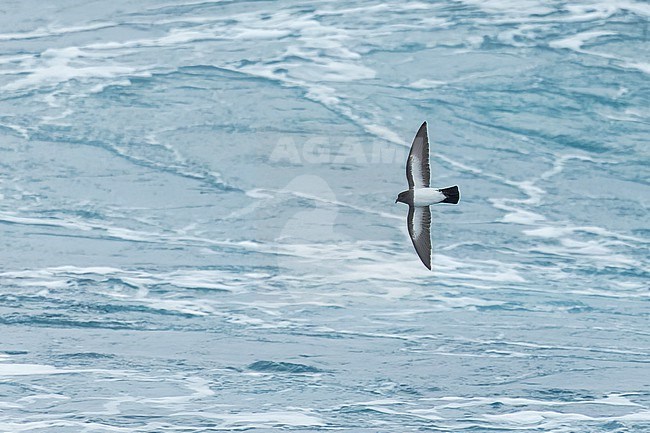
(422, 129)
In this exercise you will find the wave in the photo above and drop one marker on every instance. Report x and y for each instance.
(47, 32)
(281, 367)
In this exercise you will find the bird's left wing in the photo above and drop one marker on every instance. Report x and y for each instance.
(417, 165)
(419, 224)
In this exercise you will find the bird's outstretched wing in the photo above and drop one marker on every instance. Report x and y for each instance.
(419, 224)
(417, 165)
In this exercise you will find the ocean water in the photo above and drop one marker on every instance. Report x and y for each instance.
(199, 232)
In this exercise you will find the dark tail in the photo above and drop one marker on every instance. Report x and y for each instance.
(452, 195)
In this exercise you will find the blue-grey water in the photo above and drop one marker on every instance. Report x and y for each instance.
(198, 231)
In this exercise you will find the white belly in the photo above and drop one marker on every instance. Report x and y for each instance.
(427, 196)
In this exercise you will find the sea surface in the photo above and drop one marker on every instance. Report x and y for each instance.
(198, 230)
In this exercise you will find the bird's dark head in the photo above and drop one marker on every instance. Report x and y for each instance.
(405, 197)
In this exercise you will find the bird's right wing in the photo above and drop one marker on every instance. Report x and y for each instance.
(419, 224)
(417, 165)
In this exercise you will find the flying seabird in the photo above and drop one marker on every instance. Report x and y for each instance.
(420, 196)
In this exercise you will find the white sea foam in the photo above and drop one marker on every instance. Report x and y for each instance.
(610, 350)
(600, 250)
(514, 7)
(642, 416)
(190, 278)
(427, 84)
(53, 222)
(462, 402)
(15, 369)
(142, 286)
(58, 65)
(385, 133)
(50, 424)
(270, 419)
(100, 229)
(374, 8)
(518, 216)
(380, 402)
(322, 49)
(55, 120)
(549, 419)
(602, 9)
(20, 130)
(258, 193)
(576, 41)
(200, 388)
(532, 417)
(380, 263)
(425, 414)
(368, 262)
(36, 397)
(560, 163)
(324, 57)
(627, 115)
(54, 31)
(640, 66)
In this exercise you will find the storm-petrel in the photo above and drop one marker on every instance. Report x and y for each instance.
(420, 196)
